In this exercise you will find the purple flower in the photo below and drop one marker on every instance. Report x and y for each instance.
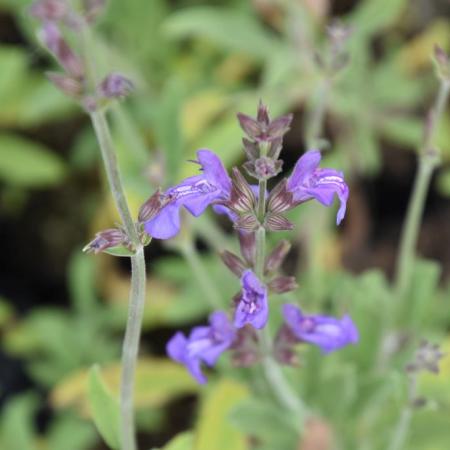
(252, 304)
(308, 181)
(205, 344)
(194, 193)
(326, 332)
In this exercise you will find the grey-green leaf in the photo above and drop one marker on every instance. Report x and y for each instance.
(105, 409)
(27, 163)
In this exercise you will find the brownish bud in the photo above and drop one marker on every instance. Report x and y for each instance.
(277, 256)
(280, 199)
(275, 148)
(426, 359)
(115, 85)
(48, 10)
(242, 198)
(277, 222)
(112, 237)
(266, 168)
(233, 262)
(247, 222)
(51, 37)
(249, 125)
(262, 114)
(279, 127)
(66, 84)
(245, 349)
(283, 349)
(251, 149)
(151, 207)
(262, 129)
(247, 242)
(283, 284)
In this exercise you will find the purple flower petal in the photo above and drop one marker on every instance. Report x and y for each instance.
(205, 344)
(307, 181)
(194, 193)
(166, 224)
(214, 170)
(326, 332)
(252, 307)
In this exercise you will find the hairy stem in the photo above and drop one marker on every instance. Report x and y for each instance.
(131, 347)
(428, 160)
(401, 430)
(273, 373)
(317, 116)
(138, 283)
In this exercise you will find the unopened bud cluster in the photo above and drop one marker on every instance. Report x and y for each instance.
(56, 15)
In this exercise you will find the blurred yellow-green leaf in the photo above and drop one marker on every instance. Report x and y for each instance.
(214, 429)
(157, 382)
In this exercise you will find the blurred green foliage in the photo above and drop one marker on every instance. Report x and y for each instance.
(195, 64)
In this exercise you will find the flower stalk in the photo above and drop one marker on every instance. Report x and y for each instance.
(428, 161)
(138, 282)
(272, 371)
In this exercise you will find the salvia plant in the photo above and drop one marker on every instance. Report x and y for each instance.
(256, 199)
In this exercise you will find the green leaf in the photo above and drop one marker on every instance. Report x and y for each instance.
(105, 409)
(214, 429)
(16, 425)
(372, 15)
(158, 381)
(273, 426)
(183, 441)
(28, 164)
(233, 30)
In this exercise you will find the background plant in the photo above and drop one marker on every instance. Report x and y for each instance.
(194, 70)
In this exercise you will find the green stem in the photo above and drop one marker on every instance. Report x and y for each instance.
(273, 373)
(401, 430)
(317, 117)
(131, 347)
(138, 283)
(428, 160)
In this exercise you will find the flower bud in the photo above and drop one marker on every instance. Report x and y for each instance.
(66, 84)
(280, 199)
(115, 85)
(249, 125)
(247, 242)
(277, 222)
(151, 207)
(49, 10)
(262, 129)
(283, 284)
(251, 149)
(112, 237)
(247, 222)
(242, 198)
(266, 168)
(233, 262)
(284, 347)
(277, 256)
(426, 359)
(51, 37)
(245, 349)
